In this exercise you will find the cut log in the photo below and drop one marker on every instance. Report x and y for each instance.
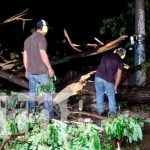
(10, 64)
(14, 79)
(71, 89)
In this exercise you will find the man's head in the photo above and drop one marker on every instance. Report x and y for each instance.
(42, 25)
(121, 52)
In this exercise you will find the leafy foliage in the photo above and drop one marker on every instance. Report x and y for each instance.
(56, 135)
(120, 25)
(123, 127)
(47, 88)
(40, 134)
(12, 100)
(14, 55)
(84, 137)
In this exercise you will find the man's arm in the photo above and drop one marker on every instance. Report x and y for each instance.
(46, 61)
(118, 78)
(25, 62)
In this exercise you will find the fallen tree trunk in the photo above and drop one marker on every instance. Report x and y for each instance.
(131, 94)
(134, 94)
(102, 49)
(13, 79)
(112, 44)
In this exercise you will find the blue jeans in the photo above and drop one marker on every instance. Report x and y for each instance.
(33, 81)
(103, 87)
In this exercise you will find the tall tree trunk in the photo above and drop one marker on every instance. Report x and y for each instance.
(140, 36)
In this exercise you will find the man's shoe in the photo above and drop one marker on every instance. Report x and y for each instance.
(104, 114)
(112, 115)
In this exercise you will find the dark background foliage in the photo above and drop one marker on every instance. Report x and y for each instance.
(82, 19)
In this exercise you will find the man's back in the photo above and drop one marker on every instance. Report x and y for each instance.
(33, 44)
(108, 66)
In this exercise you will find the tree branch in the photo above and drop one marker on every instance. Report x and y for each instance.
(8, 137)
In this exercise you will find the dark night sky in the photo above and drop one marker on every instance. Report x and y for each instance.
(81, 18)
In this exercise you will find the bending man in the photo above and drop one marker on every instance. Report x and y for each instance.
(107, 78)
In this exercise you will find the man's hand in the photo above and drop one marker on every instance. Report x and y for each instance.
(116, 91)
(51, 73)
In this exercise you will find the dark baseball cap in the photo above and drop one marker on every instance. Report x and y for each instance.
(122, 51)
(42, 23)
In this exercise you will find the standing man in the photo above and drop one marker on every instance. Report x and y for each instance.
(107, 79)
(37, 66)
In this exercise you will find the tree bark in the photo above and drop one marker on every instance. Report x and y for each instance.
(13, 79)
